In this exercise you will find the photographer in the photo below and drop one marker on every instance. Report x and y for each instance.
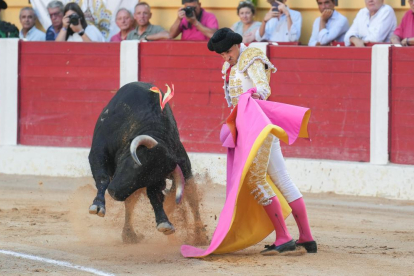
(75, 27)
(280, 24)
(193, 22)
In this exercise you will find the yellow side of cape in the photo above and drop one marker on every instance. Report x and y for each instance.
(250, 223)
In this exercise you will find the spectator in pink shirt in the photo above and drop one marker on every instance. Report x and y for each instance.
(193, 22)
(404, 34)
(125, 22)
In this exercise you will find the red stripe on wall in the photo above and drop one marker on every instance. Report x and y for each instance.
(334, 83)
(402, 106)
(199, 106)
(63, 88)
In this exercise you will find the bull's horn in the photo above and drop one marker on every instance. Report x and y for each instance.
(179, 183)
(142, 140)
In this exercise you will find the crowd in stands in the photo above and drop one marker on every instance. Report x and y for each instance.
(376, 23)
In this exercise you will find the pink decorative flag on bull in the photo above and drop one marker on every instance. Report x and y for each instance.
(243, 222)
(167, 96)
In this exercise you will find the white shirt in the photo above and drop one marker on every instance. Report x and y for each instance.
(33, 34)
(91, 31)
(277, 29)
(335, 29)
(377, 28)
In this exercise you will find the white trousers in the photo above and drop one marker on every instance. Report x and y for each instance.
(279, 175)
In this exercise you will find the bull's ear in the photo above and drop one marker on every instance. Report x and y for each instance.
(155, 89)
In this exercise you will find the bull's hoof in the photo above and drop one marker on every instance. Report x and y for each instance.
(166, 228)
(97, 210)
(130, 237)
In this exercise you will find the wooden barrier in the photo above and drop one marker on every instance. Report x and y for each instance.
(199, 106)
(63, 88)
(402, 106)
(335, 83)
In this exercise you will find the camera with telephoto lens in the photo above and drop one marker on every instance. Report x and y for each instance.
(74, 19)
(189, 11)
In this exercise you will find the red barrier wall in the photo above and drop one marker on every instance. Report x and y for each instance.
(199, 106)
(402, 106)
(63, 88)
(335, 83)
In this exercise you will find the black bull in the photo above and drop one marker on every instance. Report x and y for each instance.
(135, 145)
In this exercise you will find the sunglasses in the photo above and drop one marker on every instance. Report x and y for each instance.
(56, 14)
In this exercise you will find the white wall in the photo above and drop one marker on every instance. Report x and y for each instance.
(9, 61)
(315, 176)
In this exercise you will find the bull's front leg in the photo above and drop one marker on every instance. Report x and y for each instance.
(156, 198)
(98, 204)
(102, 180)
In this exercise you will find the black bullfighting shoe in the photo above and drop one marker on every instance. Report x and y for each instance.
(311, 247)
(275, 250)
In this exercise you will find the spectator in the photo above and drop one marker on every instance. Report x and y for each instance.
(125, 22)
(246, 27)
(75, 27)
(145, 30)
(280, 24)
(194, 23)
(7, 30)
(28, 20)
(375, 23)
(404, 34)
(330, 26)
(55, 10)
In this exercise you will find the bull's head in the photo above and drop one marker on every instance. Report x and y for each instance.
(177, 174)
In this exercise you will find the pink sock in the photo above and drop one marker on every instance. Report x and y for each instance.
(274, 211)
(301, 218)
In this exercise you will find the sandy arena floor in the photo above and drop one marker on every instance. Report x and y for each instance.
(48, 218)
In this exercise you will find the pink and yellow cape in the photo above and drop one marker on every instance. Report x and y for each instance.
(243, 222)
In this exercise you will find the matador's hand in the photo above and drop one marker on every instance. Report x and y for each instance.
(256, 96)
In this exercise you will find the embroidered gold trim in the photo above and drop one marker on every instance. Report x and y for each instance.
(256, 176)
(250, 55)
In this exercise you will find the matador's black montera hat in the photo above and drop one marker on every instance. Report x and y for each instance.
(223, 39)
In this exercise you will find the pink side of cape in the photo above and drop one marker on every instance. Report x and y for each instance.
(252, 117)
